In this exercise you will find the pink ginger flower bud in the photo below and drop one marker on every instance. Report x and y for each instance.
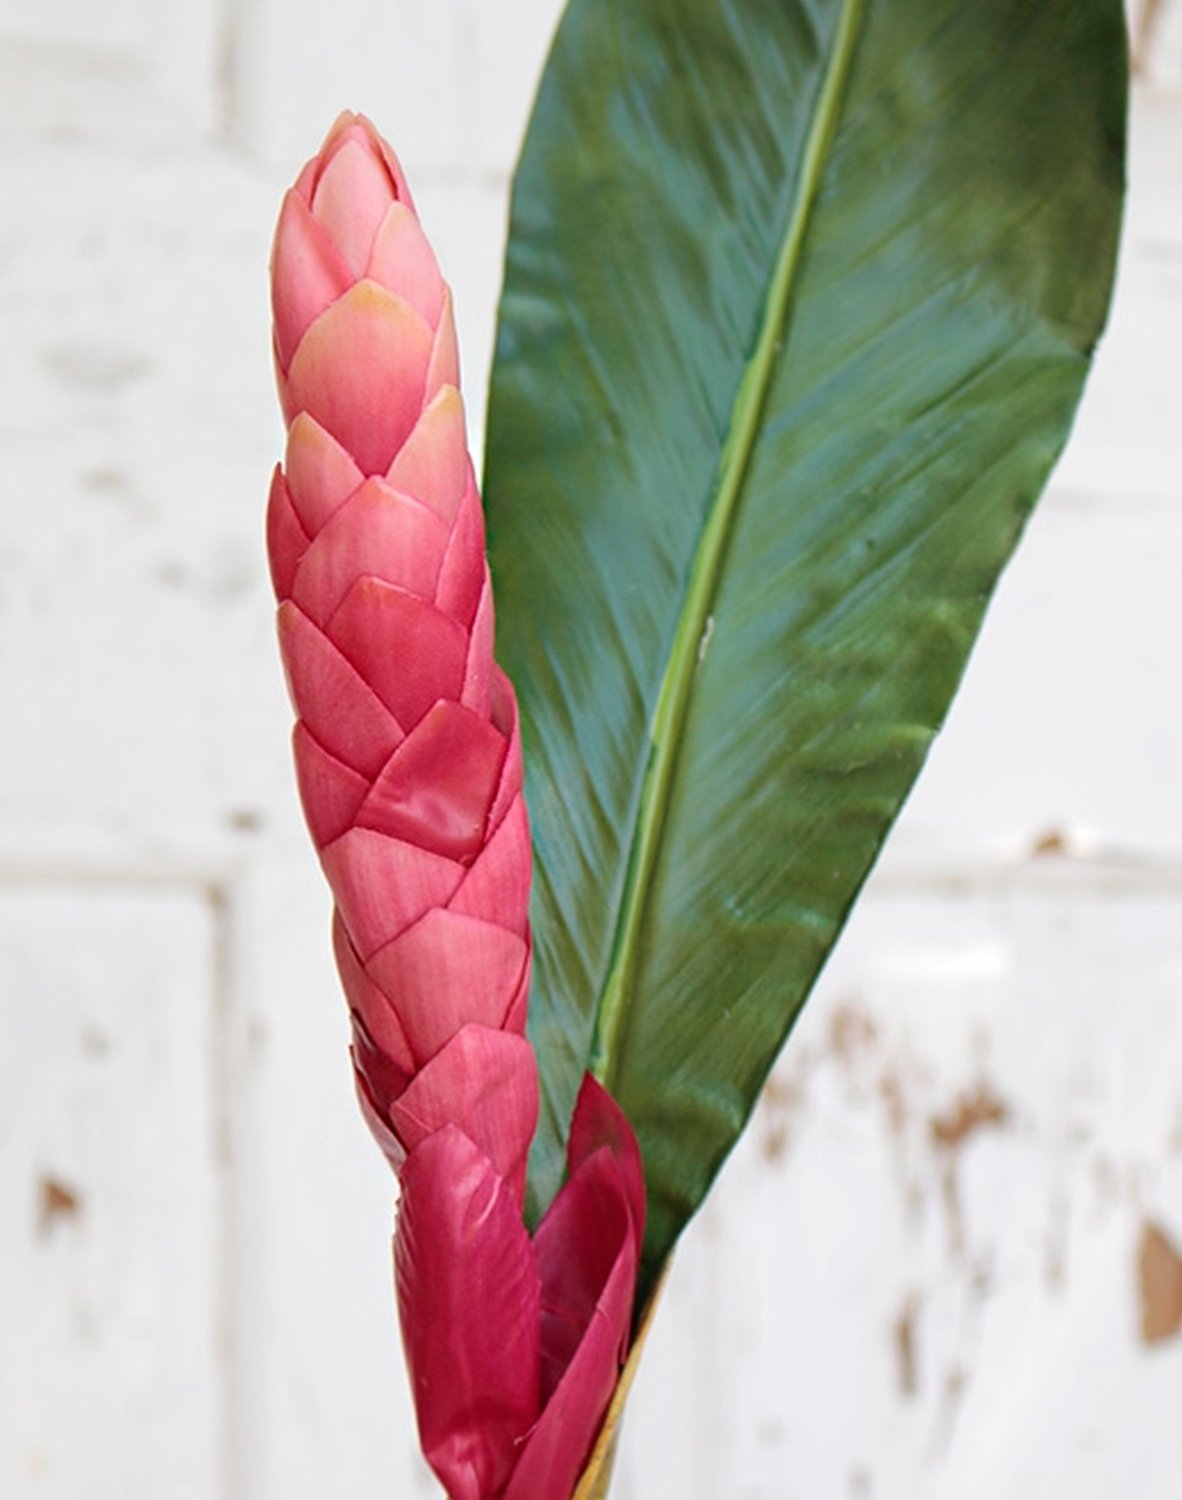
(408, 758)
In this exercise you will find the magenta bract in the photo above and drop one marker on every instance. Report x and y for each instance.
(408, 758)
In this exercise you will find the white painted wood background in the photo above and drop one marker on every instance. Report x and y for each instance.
(943, 1264)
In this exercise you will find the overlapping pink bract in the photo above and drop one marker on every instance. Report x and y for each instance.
(409, 765)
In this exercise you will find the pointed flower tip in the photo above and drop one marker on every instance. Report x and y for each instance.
(351, 125)
(346, 120)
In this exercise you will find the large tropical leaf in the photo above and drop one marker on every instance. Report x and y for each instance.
(799, 299)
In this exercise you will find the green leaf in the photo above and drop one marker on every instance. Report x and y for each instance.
(799, 300)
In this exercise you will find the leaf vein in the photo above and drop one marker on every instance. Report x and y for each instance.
(681, 668)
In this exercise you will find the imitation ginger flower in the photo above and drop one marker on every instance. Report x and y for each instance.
(408, 758)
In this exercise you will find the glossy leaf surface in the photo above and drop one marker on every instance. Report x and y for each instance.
(799, 301)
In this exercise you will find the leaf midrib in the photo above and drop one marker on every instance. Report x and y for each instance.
(695, 625)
